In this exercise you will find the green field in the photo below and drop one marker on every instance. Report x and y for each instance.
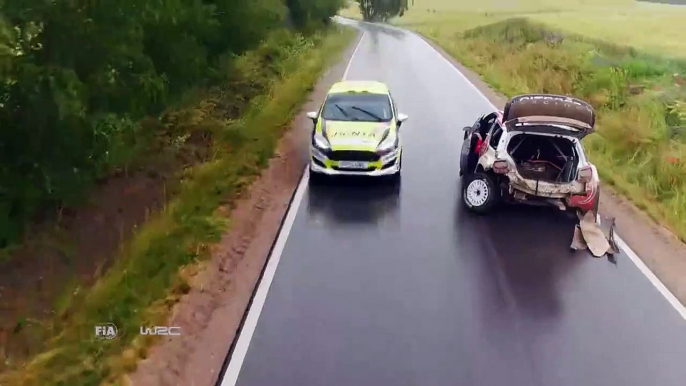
(655, 28)
(624, 57)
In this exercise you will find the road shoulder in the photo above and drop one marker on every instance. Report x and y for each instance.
(658, 248)
(211, 313)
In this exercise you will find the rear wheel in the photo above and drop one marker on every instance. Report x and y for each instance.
(479, 193)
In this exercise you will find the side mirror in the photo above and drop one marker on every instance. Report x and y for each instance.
(313, 115)
(402, 118)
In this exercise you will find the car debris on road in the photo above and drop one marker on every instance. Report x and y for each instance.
(596, 236)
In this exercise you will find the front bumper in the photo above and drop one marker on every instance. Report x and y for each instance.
(387, 165)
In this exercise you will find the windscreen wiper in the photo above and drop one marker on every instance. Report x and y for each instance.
(378, 118)
(341, 110)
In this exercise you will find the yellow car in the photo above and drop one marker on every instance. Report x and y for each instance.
(356, 132)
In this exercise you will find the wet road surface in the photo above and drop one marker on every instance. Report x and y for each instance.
(382, 286)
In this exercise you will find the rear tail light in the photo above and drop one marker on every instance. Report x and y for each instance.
(585, 174)
(501, 166)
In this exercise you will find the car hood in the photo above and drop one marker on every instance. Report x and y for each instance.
(354, 135)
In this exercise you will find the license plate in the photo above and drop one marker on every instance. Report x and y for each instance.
(353, 165)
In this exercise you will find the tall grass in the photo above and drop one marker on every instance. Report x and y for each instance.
(149, 277)
(640, 147)
(654, 28)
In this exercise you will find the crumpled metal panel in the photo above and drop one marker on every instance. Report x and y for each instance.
(597, 238)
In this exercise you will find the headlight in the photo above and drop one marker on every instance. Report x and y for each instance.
(320, 142)
(388, 143)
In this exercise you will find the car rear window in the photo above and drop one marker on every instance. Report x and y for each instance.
(357, 107)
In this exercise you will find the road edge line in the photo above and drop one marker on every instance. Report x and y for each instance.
(350, 62)
(238, 353)
(231, 368)
(640, 264)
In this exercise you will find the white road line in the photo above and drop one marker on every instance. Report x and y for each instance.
(623, 245)
(246, 333)
(347, 68)
(241, 349)
(651, 276)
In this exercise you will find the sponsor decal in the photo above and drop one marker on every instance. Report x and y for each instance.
(353, 134)
(552, 99)
(369, 134)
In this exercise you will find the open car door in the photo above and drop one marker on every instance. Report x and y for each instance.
(482, 125)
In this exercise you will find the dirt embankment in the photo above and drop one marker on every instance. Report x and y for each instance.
(71, 250)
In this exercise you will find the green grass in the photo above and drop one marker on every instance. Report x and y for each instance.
(151, 274)
(654, 28)
(640, 146)
(619, 55)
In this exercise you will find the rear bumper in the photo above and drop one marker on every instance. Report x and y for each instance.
(584, 202)
(387, 165)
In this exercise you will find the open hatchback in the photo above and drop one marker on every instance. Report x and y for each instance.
(531, 152)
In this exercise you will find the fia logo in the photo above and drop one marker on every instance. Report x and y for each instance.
(106, 331)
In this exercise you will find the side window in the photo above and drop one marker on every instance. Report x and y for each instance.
(395, 108)
(486, 123)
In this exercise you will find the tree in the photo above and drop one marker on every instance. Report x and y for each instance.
(304, 12)
(76, 76)
(383, 10)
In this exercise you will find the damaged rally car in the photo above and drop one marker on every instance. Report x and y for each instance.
(356, 132)
(531, 153)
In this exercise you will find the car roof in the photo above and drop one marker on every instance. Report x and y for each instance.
(372, 87)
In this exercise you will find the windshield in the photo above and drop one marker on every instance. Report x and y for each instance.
(357, 107)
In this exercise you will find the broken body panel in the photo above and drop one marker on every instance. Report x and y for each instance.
(574, 193)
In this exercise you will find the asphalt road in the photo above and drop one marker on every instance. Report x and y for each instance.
(377, 286)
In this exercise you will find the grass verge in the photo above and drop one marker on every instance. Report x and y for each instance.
(151, 273)
(640, 145)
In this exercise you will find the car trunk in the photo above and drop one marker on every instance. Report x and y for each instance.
(544, 158)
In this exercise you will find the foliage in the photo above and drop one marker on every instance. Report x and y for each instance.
(78, 76)
(313, 11)
(383, 9)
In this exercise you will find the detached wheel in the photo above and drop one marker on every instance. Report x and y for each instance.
(479, 193)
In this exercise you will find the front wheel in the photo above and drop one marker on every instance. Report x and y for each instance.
(479, 193)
